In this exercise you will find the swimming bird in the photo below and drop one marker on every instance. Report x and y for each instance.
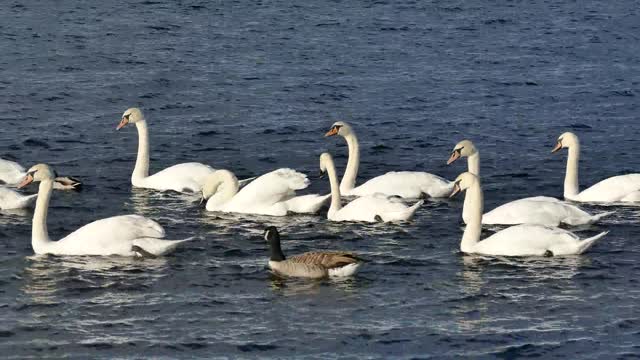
(406, 184)
(542, 210)
(317, 264)
(621, 188)
(519, 240)
(126, 235)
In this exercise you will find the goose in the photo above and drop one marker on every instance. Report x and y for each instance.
(405, 184)
(184, 178)
(621, 188)
(370, 208)
(270, 194)
(542, 210)
(317, 264)
(11, 173)
(126, 235)
(519, 240)
(11, 200)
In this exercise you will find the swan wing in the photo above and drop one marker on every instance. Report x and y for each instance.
(406, 184)
(540, 210)
(612, 189)
(268, 189)
(110, 236)
(187, 177)
(367, 208)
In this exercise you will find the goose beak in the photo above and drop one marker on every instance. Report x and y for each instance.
(27, 180)
(558, 147)
(333, 131)
(456, 189)
(123, 123)
(455, 155)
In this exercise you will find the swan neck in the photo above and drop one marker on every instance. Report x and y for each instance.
(141, 170)
(473, 163)
(351, 172)
(220, 188)
(475, 202)
(571, 181)
(39, 233)
(336, 205)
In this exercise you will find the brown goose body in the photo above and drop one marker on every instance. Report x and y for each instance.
(315, 264)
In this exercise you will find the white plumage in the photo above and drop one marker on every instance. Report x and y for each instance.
(10, 199)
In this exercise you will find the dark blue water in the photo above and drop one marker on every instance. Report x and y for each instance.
(253, 86)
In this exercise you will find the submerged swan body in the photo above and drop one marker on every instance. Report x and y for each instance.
(185, 178)
(371, 208)
(316, 264)
(541, 210)
(406, 184)
(519, 240)
(272, 194)
(621, 188)
(126, 235)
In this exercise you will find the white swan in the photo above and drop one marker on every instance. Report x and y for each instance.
(126, 235)
(406, 184)
(270, 194)
(622, 188)
(542, 210)
(187, 177)
(10, 199)
(11, 173)
(371, 208)
(519, 240)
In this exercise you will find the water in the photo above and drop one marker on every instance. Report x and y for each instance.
(253, 86)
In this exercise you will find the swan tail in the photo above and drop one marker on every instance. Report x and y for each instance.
(587, 243)
(157, 247)
(402, 215)
(597, 217)
(307, 204)
(67, 183)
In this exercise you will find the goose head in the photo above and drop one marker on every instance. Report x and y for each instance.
(464, 148)
(40, 172)
(273, 238)
(463, 182)
(339, 128)
(131, 116)
(566, 140)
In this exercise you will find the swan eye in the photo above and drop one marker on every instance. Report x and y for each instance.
(127, 116)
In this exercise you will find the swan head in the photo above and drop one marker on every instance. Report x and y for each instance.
(464, 148)
(566, 140)
(339, 128)
(216, 182)
(463, 182)
(325, 160)
(40, 172)
(131, 116)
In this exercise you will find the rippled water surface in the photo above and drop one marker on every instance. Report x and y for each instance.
(253, 86)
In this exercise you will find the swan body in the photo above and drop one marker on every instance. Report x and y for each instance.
(317, 264)
(272, 194)
(12, 173)
(622, 188)
(184, 178)
(126, 235)
(10, 199)
(405, 184)
(520, 240)
(541, 210)
(370, 208)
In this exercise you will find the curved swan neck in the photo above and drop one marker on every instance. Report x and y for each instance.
(571, 182)
(335, 189)
(473, 163)
(351, 172)
(473, 230)
(39, 233)
(141, 170)
(220, 187)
